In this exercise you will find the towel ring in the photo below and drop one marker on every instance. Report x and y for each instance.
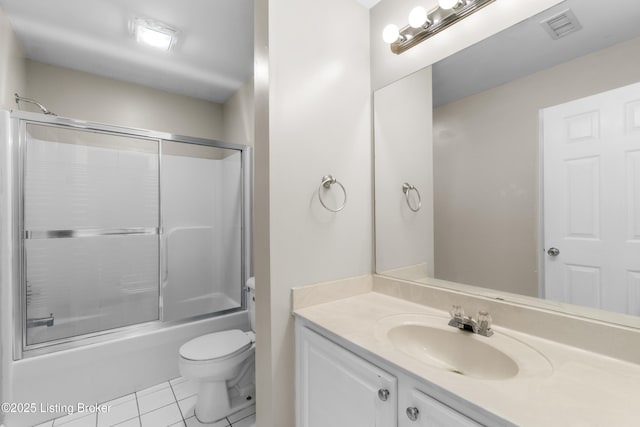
(327, 181)
(406, 189)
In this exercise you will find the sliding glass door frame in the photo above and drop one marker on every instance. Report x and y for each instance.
(19, 123)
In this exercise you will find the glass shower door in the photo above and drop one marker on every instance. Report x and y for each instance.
(202, 192)
(91, 232)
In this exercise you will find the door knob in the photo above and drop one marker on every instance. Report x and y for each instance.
(412, 413)
(553, 251)
(383, 394)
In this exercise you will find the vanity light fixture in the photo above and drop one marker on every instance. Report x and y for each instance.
(423, 24)
(153, 33)
(448, 4)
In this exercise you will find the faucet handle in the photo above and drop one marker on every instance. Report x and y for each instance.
(484, 323)
(456, 312)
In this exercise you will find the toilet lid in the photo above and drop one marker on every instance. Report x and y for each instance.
(216, 345)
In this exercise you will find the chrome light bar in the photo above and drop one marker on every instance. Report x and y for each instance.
(437, 20)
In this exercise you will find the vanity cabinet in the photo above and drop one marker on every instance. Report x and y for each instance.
(418, 409)
(337, 388)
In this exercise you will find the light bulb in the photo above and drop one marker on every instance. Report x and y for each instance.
(390, 33)
(417, 17)
(447, 4)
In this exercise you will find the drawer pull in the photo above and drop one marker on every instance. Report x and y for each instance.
(412, 413)
(383, 394)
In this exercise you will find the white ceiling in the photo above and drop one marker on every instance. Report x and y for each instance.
(213, 56)
(526, 48)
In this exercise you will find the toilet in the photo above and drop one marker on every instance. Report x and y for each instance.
(223, 365)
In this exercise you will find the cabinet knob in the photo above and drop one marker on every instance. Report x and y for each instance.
(412, 413)
(383, 394)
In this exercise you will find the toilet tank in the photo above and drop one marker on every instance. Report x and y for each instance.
(251, 302)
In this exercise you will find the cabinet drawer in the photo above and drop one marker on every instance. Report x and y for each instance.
(428, 412)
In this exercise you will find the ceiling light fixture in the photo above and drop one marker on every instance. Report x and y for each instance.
(154, 33)
(423, 24)
(449, 4)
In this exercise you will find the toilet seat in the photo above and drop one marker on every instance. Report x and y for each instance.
(217, 345)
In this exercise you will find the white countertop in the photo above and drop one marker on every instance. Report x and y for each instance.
(584, 389)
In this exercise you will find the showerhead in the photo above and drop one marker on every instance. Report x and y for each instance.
(42, 107)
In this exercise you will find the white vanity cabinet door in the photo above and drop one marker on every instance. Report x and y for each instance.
(336, 388)
(428, 412)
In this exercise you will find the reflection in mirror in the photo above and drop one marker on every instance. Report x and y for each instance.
(495, 106)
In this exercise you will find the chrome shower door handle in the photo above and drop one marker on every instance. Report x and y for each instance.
(165, 261)
(553, 252)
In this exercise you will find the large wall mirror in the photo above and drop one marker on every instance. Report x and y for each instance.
(512, 168)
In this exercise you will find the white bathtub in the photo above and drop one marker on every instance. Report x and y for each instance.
(100, 372)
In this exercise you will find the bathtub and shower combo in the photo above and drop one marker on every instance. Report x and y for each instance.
(117, 245)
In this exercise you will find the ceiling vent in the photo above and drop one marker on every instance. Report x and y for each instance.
(562, 24)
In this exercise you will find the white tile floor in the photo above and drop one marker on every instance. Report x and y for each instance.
(169, 404)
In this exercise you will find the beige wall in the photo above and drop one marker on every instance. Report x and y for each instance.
(403, 153)
(319, 123)
(237, 115)
(387, 67)
(12, 65)
(486, 169)
(85, 96)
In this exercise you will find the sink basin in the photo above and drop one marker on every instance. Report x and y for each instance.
(428, 339)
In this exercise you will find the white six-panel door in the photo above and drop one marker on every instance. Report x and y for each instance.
(592, 200)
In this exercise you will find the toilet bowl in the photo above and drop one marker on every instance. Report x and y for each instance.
(222, 363)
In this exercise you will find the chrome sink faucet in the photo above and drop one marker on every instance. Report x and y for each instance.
(481, 326)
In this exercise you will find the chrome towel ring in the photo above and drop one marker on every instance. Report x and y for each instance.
(327, 182)
(406, 189)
